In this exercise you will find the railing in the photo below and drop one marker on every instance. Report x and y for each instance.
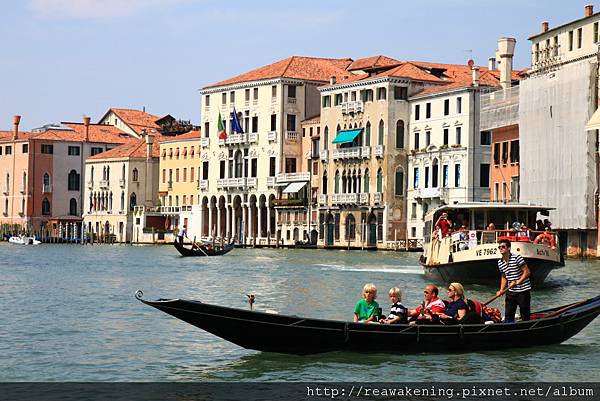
(270, 181)
(236, 139)
(272, 136)
(346, 153)
(289, 202)
(344, 199)
(427, 193)
(324, 154)
(363, 198)
(464, 239)
(293, 177)
(203, 185)
(379, 151)
(322, 199)
(231, 183)
(365, 152)
(252, 138)
(104, 184)
(377, 198)
(204, 142)
(291, 100)
(352, 107)
(122, 183)
(251, 182)
(291, 135)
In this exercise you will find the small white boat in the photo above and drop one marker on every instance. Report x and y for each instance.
(23, 240)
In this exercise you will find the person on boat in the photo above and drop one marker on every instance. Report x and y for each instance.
(515, 281)
(444, 224)
(539, 225)
(431, 306)
(456, 308)
(548, 224)
(398, 313)
(182, 233)
(491, 227)
(366, 309)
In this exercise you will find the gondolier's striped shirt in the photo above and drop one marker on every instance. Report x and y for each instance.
(512, 271)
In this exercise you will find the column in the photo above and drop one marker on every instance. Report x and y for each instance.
(219, 228)
(201, 220)
(228, 221)
(259, 222)
(250, 232)
(233, 223)
(210, 221)
(385, 223)
(269, 231)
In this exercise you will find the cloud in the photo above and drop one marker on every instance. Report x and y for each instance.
(88, 9)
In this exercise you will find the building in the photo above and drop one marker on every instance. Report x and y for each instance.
(131, 121)
(43, 172)
(248, 171)
(558, 130)
(117, 181)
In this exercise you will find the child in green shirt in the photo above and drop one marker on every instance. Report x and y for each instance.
(366, 309)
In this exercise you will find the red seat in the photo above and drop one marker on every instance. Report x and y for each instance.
(511, 238)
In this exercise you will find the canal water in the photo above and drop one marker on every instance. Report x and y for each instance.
(69, 314)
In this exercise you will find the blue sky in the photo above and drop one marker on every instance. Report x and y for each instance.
(61, 59)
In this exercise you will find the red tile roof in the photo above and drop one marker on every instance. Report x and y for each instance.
(194, 134)
(137, 120)
(99, 133)
(295, 67)
(135, 148)
(373, 62)
(7, 136)
(409, 70)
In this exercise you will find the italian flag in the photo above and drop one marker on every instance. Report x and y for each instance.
(222, 133)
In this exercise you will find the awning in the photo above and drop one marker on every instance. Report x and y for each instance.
(294, 187)
(594, 122)
(347, 136)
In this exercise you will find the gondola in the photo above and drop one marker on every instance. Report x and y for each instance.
(298, 335)
(203, 250)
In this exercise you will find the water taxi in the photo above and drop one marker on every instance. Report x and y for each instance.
(469, 253)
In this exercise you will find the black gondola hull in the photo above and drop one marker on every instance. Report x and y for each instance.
(184, 251)
(295, 335)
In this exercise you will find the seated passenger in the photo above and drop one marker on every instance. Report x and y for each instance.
(430, 308)
(456, 309)
(398, 313)
(366, 309)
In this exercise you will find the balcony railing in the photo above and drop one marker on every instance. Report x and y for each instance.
(428, 193)
(291, 135)
(293, 177)
(270, 181)
(322, 199)
(252, 138)
(251, 182)
(346, 153)
(337, 199)
(291, 100)
(226, 183)
(238, 139)
(205, 142)
(363, 198)
(203, 185)
(365, 152)
(324, 154)
(104, 184)
(272, 136)
(379, 151)
(377, 198)
(47, 188)
(352, 107)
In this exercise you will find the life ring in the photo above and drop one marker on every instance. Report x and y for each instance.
(546, 239)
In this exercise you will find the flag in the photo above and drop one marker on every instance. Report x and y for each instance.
(235, 123)
(221, 128)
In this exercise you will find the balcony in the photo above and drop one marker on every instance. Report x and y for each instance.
(291, 135)
(227, 183)
(46, 188)
(352, 107)
(122, 183)
(322, 199)
(346, 153)
(428, 193)
(291, 100)
(251, 182)
(290, 203)
(203, 185)
(169, 185)
(272, 136)
(324, 155)
(270, 182)
(379, 151)
(377, 198)
(337, 199)
(104, 184)
(363, 198)
(205, 142)
(252, 138)
(293, 177)
(239, 139)
(365, 152)
(90, 184)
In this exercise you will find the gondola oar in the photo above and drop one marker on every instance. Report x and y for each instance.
(499, 295)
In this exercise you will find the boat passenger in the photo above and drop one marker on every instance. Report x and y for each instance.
(514, 276)
(548, 224)
(431, 306)
(398, 313)
(182, 233)
(366, 309)
(539, 225)
(456, 308)
(444, 224)
(491, 227)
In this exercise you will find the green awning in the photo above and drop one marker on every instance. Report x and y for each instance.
(347, 136)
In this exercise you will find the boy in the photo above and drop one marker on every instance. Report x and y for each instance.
(398, 313)
(366, 309)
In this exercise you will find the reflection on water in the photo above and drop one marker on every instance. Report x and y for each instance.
(73, 316)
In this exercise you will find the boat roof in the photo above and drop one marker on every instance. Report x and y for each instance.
(488, 206)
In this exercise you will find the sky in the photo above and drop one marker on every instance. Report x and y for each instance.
(63, 59)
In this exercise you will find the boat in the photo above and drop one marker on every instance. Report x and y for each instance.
(471, 255)
(23, 240)
(202, 249)
(271, 332)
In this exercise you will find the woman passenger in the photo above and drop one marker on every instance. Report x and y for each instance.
(456, 309)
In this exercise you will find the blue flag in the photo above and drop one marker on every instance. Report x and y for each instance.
(235, 123)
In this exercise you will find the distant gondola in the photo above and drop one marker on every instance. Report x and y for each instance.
(202, 249)
(297, 335)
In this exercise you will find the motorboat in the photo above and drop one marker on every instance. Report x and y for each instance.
(23, 240)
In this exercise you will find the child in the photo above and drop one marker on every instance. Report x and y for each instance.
(398, 313)
(366, 309)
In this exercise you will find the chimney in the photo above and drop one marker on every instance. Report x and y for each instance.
(149, 141)
(506, 51)
(332, 80)
(544, 26)
(475, 76)
(492, 63)
(589, 10)
(86, 124)
(16, 121)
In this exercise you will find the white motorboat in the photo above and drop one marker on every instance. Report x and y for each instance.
(23, 240)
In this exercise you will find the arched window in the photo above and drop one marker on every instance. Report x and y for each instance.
(7, 184)
(337, 182)
(73, 181)
(239, 164)
(326, 138)
(135, 175)
(104, 173)
(92, 174)
(381, 130)
(122, 201)
(45, 207)
(324, 183)
(110, 201)
(132, 201)
(46, 179)
(108, 172)
(176, 200)
(368, 134)
(400, 134)
(350, 227)
(366, 182)
(73, 207)
(24, 181)
(344, 183)
(91, 202)
(379, 181)
(338, 129)
(399, 187)
(434, 173)
(123, 172)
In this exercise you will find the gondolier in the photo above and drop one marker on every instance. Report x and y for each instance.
(182, 233)
(514, 280)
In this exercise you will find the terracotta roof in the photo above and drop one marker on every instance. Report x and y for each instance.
(374, 62)
(135, 148)
(7, 136)
(311, 120)
(409, 70)
(189, 135)
(97, 133)
(137, 120)
(296, 67)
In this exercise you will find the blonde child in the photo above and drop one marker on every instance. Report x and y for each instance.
(398, 312)
(366, 309)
